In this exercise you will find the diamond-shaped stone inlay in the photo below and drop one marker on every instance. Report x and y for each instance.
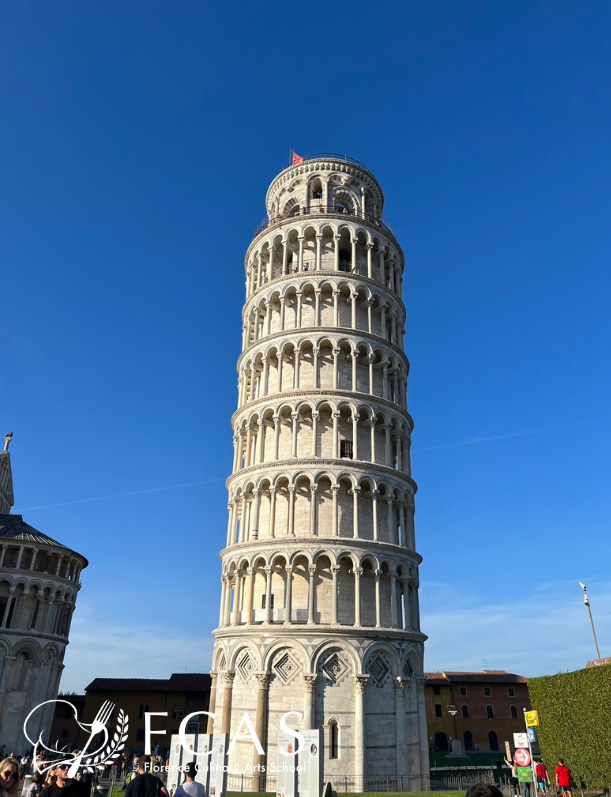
(379, 669)
(408, 670)
(334, 668)
(287, 667)
(246, 666)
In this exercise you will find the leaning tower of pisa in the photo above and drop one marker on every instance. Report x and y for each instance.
(319, 607)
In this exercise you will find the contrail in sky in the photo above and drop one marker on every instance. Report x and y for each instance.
(509, 435)
(489, 439)
(121, 495)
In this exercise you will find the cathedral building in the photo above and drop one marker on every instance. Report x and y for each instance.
(39, 582)
(319, 605)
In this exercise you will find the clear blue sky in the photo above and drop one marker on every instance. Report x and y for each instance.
(138, 140)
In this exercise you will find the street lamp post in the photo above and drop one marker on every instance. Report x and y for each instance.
(586, 600)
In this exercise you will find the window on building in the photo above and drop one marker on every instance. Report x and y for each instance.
(514, 712)
(193, 726)
(345, 260)
(462, 691)
(468, 740)
(142, 711)
(140, 735)
(493, 742)
(438, 710)
(489, 712)
(333, 739)
(436, 690)
(465, 710)
(345, 449)
(511, 692)
(271, 601)
(487, 691)
(177, 713)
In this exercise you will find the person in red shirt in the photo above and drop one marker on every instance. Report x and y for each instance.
(563, 778)
(542, 779)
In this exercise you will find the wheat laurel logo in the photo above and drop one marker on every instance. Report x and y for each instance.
(96, 753)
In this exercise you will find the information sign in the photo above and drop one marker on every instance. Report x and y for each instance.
(520, 740)
(532, 735)
(202, 747)
(532, 718)
(309, 765)
(525, 774)
(521, 757)
(507, 751)
(287, 771)
(218, 765)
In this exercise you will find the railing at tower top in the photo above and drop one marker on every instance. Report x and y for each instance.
(328, 210)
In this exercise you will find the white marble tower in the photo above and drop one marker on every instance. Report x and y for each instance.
(319, 607)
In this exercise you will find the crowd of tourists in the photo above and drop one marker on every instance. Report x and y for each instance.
(22, 777)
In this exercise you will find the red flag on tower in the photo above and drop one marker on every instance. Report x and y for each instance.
(297, 159)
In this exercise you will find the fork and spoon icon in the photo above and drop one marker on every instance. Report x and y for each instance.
(97, 726)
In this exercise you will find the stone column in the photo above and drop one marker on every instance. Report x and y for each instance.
(276, 420)
(353, 310)
(378, 576)
(291, 518)
(335, 435)
(212, 702)
(295, 418)
(223, 601)
(358, 572)
(254, 531)
(360, 682)
(334, 617)
(250, 574)
(316, 367)
(261, 726)
(336, 252)
(272, 511)
(335, 368)
(355, 436)
(335, 490)
(268, 595)
(313, 489)
(424, 751)
(308, 699)
(374, 511)
(318, 244)
(236, 600)
(389, 519)
(314, 433)
(410, 537)
(311, 594)
(400, 726)
(355, 512)
(393, 602)
(288, 600)
(335, 308)
(368, 249)
(227, 701)
(353, 258)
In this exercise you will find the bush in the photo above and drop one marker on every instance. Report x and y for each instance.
(575, 722)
